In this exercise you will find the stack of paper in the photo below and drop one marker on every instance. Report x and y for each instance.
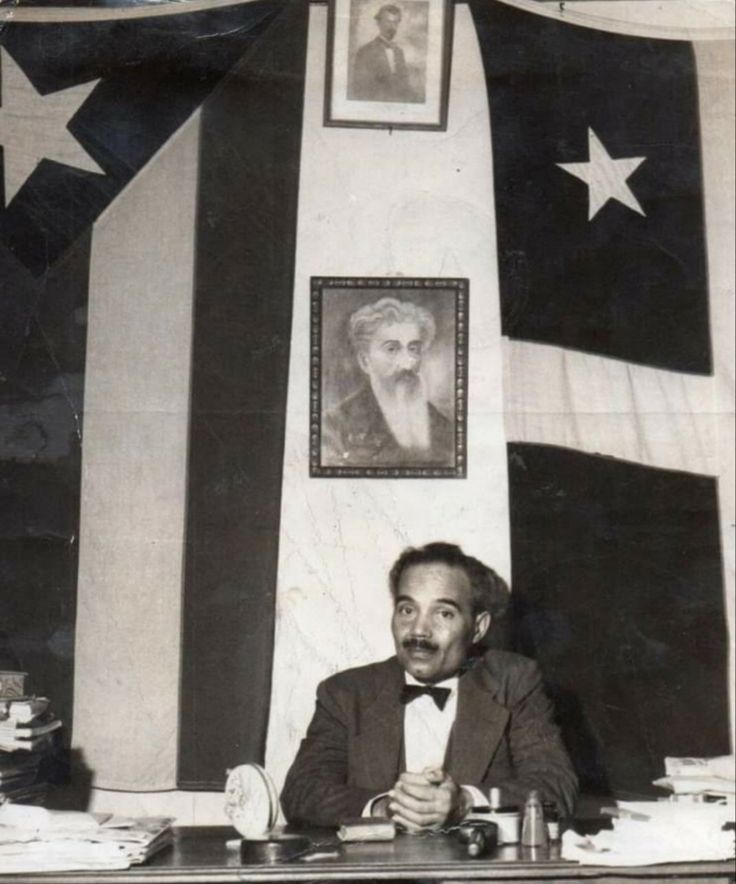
(33, 839)
(24, 722)
(647, 832)
(700, 776)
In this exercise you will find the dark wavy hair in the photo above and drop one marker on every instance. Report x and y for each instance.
(490, 592)
(389, 8)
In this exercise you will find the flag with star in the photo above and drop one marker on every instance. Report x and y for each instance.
(85, 105)
(149, 175)
(599, 207)
(609, 153)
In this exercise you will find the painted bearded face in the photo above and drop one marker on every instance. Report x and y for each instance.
(394, 355)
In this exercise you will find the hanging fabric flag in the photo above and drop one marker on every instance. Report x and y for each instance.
(608, 177)
(596, 164)
(150, 165)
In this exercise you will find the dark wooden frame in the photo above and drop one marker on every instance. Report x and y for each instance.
(448, 14)
(459, 289)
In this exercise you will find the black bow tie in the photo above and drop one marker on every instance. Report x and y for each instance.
(411, 691)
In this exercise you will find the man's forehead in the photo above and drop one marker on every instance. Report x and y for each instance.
(435, 580)
(405, 330)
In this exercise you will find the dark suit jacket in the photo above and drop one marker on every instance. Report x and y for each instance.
(504, 736)
(355, 433)
(373, 79)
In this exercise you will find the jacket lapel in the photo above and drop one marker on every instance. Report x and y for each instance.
(480, 722)
(382, 730)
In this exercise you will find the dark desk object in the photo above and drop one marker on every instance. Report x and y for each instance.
(199, 855)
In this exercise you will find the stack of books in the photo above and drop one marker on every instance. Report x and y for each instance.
(26, 728)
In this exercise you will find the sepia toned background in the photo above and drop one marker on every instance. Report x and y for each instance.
(172, 577)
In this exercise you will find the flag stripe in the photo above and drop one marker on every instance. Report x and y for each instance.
(673, 20)
(40, 457)
(618, 593)
(599, 405)
(717, 99)
(133, 474)
(118, 13)
(389, 204)
(251, 133)
(19, 295)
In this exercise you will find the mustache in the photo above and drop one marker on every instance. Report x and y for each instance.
(405, 375)
(418, 644)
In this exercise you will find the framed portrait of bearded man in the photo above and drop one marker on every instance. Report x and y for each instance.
(388, 378)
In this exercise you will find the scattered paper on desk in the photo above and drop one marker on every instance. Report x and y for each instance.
(33, 839)
(650, 832)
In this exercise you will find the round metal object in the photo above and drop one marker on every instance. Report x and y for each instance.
(271, 851)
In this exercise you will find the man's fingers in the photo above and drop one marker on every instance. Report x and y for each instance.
(420, 804)
(421, 791)
(414, 779)
(434, 775)
(405, 823)
(403, 814)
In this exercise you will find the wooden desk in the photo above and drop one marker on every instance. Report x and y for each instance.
(199, 855)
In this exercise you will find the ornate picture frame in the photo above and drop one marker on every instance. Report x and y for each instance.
(388, 377)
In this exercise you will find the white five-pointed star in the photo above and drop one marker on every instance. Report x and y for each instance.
(34, 126)
(606, 178)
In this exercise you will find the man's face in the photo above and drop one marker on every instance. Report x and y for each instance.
(394, 355)
(388, 24)
(433, 624)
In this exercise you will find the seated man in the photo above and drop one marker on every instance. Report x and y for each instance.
(423, 736)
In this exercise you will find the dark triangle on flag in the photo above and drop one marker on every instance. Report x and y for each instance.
(152, 72)
(618, 593)
(599, 204)
(246, 237)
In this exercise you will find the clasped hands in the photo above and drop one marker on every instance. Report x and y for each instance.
(427, 800)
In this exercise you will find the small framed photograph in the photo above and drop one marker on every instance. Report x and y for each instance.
(388, 378)
(388, 63)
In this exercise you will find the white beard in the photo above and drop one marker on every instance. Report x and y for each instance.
(406, 411)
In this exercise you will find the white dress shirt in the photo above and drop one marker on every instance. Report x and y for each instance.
(427, 730)
(388, 48)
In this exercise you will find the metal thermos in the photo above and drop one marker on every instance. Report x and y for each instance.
(534, 828)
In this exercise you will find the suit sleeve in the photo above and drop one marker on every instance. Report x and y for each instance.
(316, 791)
(363, 84)
(538, 756)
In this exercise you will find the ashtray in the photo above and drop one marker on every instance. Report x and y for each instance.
(270, 851)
